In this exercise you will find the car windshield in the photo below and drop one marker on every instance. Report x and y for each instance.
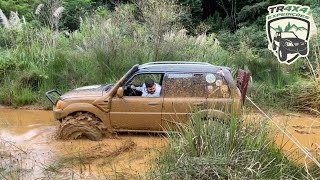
(288, 35)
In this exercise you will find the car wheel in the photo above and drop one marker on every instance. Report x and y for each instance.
(282, 54)
(304, 52)
(81, 125)
(274, 46)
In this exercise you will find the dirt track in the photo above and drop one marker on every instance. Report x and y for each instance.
(28, 145)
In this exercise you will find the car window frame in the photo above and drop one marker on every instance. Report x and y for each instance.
(139, 73)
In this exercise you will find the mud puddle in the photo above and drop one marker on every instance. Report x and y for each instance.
(304, 129)
(29, 150)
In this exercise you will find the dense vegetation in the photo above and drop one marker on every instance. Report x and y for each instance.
(66, 44)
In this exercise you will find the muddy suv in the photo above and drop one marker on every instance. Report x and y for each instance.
(186, 88)
(288, 43)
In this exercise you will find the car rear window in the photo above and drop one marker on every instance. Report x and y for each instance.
(185, 85)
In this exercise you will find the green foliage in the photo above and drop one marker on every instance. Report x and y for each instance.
(249, 13)
(23, 7)
(32, 79)
(159, 17)
(74, 10)
(101, 11)
(254, 38)
(192, 20)
(229, 150)
(304, 96)
(12, 94)
(215, 23)
(7, 66)
(23, 97)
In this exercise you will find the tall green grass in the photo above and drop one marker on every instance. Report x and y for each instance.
(229, 150)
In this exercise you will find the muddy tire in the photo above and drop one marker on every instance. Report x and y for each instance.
(282, 53)
(81, 125)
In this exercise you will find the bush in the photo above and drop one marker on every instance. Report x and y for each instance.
(11, 94)
(304, 96)
(7, 66)
(23, 97)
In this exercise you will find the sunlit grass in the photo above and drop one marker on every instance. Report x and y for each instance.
(233, 149)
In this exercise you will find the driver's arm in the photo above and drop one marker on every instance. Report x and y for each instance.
(137, 88)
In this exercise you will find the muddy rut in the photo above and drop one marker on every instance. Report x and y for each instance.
(28, 145)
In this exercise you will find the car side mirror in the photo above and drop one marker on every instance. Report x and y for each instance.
(120, 92)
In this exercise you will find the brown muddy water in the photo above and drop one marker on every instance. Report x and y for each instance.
(304, 129)
(29, 148)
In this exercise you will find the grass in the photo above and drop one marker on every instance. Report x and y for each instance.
(230, 150)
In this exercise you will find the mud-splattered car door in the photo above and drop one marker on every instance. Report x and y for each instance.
(184, 93)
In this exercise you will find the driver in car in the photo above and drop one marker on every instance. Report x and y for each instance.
(149, 89)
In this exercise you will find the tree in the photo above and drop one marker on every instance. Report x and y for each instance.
(196, 12)
(74, 9)
(159, 17)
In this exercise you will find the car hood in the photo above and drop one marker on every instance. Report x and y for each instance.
(294, 40)
(87, 91)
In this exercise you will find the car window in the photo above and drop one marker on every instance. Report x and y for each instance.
(138, 89)
(139, 79)
(185, 85)
(288, 35)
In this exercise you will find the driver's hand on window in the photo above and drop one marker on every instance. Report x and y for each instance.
(132, 87)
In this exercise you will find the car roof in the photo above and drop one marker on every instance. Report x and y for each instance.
(180, 66)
